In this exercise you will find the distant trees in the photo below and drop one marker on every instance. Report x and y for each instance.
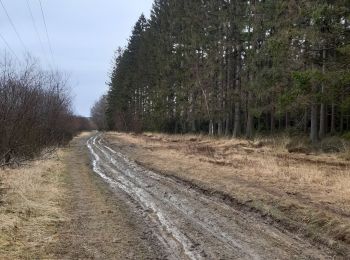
(234, 68)
(98, 113)
(35, 111)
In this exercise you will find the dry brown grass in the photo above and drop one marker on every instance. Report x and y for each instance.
(306, 192)
(30, 209)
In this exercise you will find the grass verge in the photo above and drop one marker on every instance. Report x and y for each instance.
(30, 209)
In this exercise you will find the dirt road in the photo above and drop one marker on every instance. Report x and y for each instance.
(187, 223)
(102, 223)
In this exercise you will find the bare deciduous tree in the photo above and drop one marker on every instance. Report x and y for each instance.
(98, 113)
(35, 110)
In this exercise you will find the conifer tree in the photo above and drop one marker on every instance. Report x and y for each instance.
(235, 67)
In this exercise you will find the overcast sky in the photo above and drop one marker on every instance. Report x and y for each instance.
(84, 35)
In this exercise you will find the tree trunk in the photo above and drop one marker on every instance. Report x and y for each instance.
(237, 123)
(322, 131)
(279, 123)
(227, 125)
(272, 121)
(306, 120)
(211, 127)
(220, 127)
(237, 116)
(193, 126)
(249, 127)
(228, 89)
(313, 131)
(333, 120)
(191, 114)
(176, 130)
(287, 120)
(342, 122)
(183, 126)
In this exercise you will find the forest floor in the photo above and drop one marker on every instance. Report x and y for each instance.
(306, 194)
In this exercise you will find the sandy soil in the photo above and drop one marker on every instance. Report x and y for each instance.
(305, 194)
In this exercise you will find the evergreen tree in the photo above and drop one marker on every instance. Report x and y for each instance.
(235, 66)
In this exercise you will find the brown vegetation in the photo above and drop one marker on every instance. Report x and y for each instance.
(35, 111)
(30, 209)
(56, 208)
(307, 193)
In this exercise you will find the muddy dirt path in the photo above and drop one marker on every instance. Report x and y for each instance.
(102, 223)
(190, 224)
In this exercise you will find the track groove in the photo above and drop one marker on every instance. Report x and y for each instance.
(193, 225)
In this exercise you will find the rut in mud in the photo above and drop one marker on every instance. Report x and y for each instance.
(190, 224)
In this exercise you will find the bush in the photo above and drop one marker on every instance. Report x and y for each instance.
(35, 111)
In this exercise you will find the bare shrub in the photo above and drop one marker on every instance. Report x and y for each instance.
(35, 110)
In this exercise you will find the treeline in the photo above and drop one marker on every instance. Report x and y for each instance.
(232, 67)
(98, 114)
(35, 111)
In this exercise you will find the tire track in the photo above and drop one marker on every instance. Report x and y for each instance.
(190, 224)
